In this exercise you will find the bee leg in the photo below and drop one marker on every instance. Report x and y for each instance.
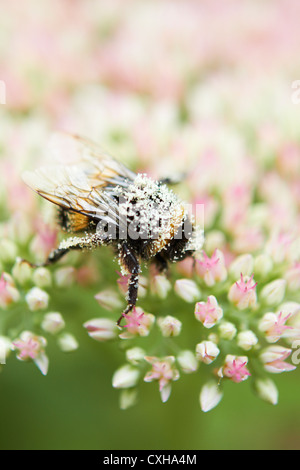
(54, 256)
(129, 261)
(73, 243)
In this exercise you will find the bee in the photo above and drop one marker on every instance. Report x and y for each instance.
(101, 202)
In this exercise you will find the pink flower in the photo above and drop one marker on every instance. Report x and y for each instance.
(236, 202)
(19, 197)
(29, 349)
(288, 160)
(248, 239)
(273, 325)
(162, 370)
(138, 323)
(212, 269)
(243, 293)
(44, 241)
(279, 246)
(8, 292)
(292, 277)
(235, 368)
(273, 358)
(208, 313)
(32, 347)
(208, 214)
(123, 282)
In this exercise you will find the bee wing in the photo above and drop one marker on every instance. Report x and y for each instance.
(73, 149)
(87, 187)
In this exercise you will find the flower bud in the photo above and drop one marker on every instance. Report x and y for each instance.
(208, 313)
(169, 326)
(42, 277)
(243, 293)
(227, 330)
(5, 348)
(65, 277)
(125, 377)
(135, 355)
(214, 240)
(67, 342)
(161, 286)
(210, 396)
(142, 288)
(128, 398)
(101, 329)
(273, 293)
(292, 277)
(263, 265)
(37, 299)
(108, 299)
(21, 271)
(266, 390)
(53, 322)
(187, 361)
(187, 290)
(207, 351)
(212, 269)
(8, 250)
(242, 264)
(8, 292)
(246, 340)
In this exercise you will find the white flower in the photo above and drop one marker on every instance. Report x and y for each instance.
(187, 290)
(210, 396)
(227, 330)
(273, 293)
(161, 286)
(37, 299)
(101, 329)
(246, 339)
(187, 361)
(266, 390)
(242, 264)
(53, 322)
(169, 326)
(125, 377)
(108, 299)
(263, 265)
(21, 271)
(42, 277)
(207, 351)
(67, 342)
(135, 355)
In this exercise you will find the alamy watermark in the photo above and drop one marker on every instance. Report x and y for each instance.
(295, 358)
(150, 222)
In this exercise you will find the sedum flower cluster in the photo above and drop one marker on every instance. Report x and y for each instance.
(186, 106)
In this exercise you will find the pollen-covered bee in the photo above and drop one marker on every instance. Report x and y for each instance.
(141, 218)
